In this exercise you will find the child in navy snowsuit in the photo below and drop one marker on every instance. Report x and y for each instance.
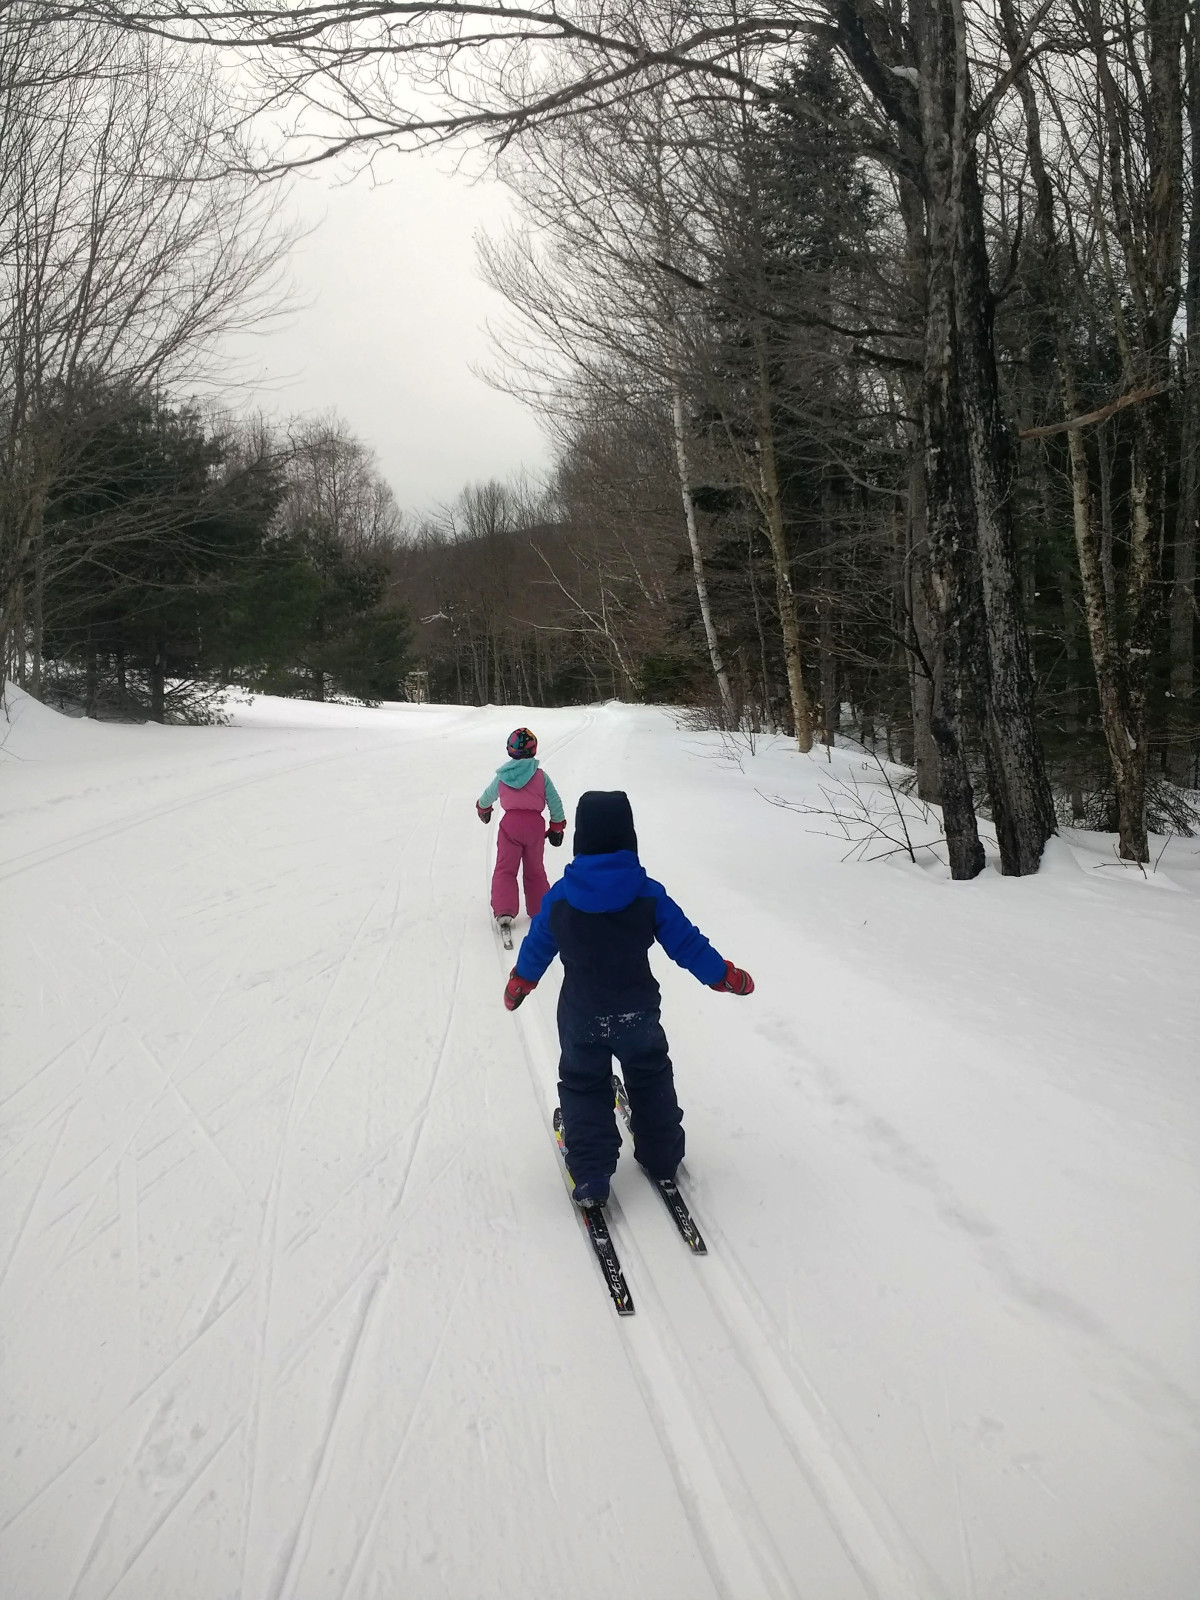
(524, 791)
(601, 917)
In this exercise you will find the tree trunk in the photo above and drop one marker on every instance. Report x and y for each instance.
(1073, 631)
(1021, 801)
(158, 683)
(953, 573)
(92, 677)
(1108, 571)
(920, 659)
(14, 631)
(768, 700)
(949, 540)
(698, 573)
(772, 505)
(830, 700)
(1182, 765)
(1184, 735)
(37, 686)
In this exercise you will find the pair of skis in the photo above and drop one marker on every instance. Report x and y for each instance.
(595, 1223)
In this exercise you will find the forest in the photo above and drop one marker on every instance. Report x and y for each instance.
(867, 335)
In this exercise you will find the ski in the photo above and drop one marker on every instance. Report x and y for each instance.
(667, 1187)
(595, 1225)
(504, 925)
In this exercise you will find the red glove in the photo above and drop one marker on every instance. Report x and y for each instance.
(555, 832)
(516, 989)
(735, 981)
(484, 813)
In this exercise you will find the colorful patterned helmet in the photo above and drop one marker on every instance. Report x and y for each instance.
(522, 743)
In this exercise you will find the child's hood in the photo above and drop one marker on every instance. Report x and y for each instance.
(516, 774)
(604, 883)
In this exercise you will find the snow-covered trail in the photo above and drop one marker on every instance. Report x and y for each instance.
(293, 1305)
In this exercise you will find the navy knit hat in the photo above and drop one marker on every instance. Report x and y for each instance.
(604, 823)
(522, 743)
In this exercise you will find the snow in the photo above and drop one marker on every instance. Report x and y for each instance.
(293, 1305)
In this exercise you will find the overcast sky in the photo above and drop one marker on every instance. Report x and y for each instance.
(391, 319)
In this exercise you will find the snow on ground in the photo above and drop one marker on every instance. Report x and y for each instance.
(293, 1304)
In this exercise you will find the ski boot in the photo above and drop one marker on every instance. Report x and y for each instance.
(591, 1192)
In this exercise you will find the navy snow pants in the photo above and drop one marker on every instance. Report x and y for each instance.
(585, 1092)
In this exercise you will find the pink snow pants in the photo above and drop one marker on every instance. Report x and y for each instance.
(522, 842)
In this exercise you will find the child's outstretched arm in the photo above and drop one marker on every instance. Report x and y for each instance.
(687, 946)
(558, 816)
(538, 949)
(483, 806)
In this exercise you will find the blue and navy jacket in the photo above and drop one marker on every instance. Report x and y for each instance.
(601, 917)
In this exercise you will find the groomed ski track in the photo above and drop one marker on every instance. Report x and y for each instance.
(293, 1301)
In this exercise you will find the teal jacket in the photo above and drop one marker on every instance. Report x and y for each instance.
(518, 775)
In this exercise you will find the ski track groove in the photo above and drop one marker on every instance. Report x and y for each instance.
(135, 1399)
(306, 1232)
(296, 1548)
(417, 1125)
(204, 1318)
(156, 1526)
(314, 1222)
(869, 1534)
(194, 1120)
(964, 1543)
(387, 951)
(677, 1405)
(44, 854)
(25, 861)
(268, 1234)
(130, 1240)
(110, 1164)
(431, 1365)
(105, 1522)
(73, 1095)
(97, 1022)
(71, 1248)
(153, 934)
(27, 1216)
(102, 1027)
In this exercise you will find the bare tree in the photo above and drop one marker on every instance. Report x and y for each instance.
(126, 247)
(1134, 226)
(334, 484)
(594, 306)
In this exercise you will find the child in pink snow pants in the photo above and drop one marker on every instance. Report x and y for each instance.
(524, 792)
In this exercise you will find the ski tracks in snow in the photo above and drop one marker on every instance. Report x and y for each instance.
(779, 1507)
(269, 1245)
